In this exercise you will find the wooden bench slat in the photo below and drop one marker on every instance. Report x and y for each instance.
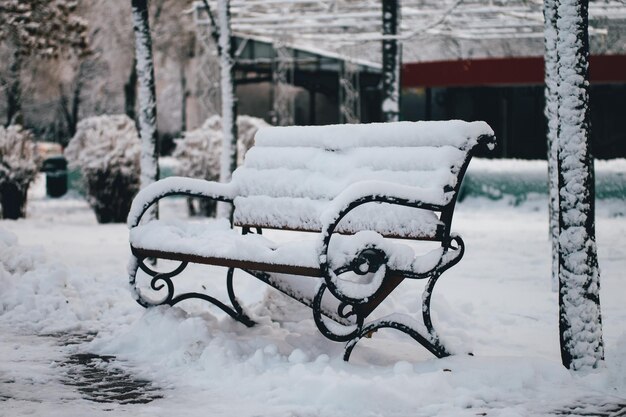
(392, 281)
(437, 237)
(337, 162)
(304, 183)
(304, 214)
(214, 242)
(229, 263)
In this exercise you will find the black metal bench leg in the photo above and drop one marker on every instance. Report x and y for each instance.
(242, 317)
(430, 341)
(164, 280)
(426, 296)
(159, 281)
(431, 345)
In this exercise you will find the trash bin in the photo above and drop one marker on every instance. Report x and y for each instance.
(55, 168)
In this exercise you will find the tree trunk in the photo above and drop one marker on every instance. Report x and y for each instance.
(228, 161)
(78, 87)
(551, 109)
(71, 108)
(147, 98)
(130, 92)
(580, 322)
(391, 62)
(14, 91)
(183, 101)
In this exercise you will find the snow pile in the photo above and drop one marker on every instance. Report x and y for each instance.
(35, 292)
(269, 370)
(106, 149)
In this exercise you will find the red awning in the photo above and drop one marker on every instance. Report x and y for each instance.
(502, 71)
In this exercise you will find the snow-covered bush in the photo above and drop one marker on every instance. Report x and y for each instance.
(18, 167)
(106, 149)
(199, 151)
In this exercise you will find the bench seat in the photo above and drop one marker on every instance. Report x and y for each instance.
(215, 242)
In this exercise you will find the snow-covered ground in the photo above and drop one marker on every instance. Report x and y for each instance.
(63, 279)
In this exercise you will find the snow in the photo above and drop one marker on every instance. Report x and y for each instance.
(550, 111)
(62, 272)
(457, 133)
(173, 185)
(215, 238)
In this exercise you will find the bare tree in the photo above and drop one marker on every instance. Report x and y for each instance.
(38, 28)
(174, 40)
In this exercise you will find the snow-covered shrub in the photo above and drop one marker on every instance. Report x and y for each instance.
(18, 167)
(199, 151)
(106, 149)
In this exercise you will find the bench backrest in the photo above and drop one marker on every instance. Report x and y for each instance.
(291, 172)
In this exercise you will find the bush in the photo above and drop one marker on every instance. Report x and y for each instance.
(107, 150)
(18, 168)
(199, 151)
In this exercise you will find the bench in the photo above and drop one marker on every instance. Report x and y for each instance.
(365, 191)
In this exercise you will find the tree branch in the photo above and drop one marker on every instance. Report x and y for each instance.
(215, 32)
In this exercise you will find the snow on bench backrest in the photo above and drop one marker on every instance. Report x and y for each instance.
(291, 172)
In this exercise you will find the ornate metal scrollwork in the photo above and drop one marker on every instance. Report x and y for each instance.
(373, 260)
(334, 334)
(162, 280)
(370, 261)
(159, 281)
(431, 345)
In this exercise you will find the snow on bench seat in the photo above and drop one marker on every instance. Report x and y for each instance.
(214, 239)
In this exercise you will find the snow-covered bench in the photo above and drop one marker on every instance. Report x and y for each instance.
(360, 188)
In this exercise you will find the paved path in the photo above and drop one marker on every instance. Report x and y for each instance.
(49, 375)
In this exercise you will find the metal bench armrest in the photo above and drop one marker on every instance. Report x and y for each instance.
(190, 187)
